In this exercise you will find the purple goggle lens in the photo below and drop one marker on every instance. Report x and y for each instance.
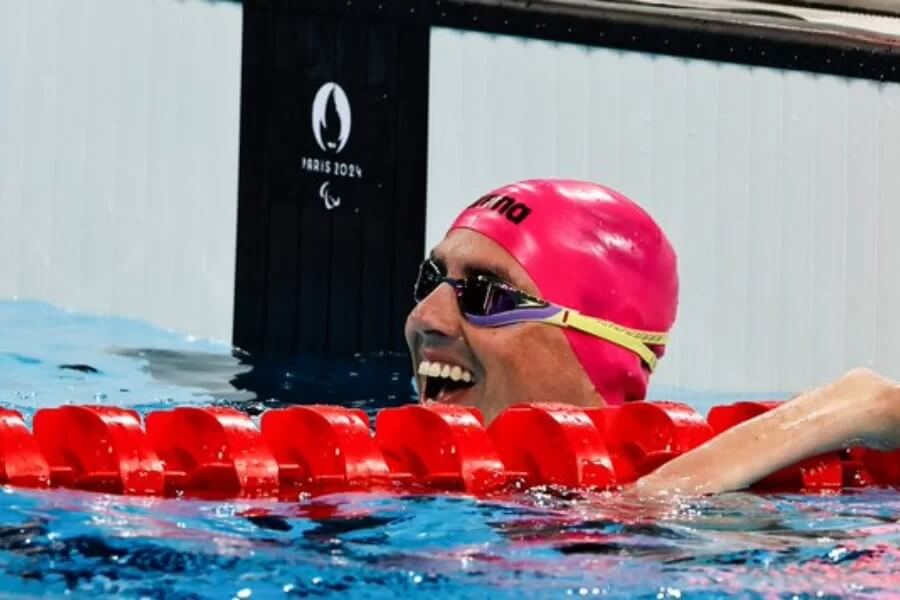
(479, 296)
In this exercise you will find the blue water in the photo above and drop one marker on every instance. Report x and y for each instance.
(543, 543)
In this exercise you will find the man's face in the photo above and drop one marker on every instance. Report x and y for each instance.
(526, 362)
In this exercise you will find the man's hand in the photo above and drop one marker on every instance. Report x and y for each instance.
(861, 408)
(884, 427)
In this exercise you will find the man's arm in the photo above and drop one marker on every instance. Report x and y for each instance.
(860, 409)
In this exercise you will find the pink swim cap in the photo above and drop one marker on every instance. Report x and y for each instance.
(589, 248)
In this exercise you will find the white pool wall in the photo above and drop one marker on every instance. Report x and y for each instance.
(119, 124)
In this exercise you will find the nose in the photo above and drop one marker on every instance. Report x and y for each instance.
(436, 316)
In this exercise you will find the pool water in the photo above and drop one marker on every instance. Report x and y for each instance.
(540, 543)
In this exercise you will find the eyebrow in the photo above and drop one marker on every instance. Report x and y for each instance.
(487, 271)
(492, 271)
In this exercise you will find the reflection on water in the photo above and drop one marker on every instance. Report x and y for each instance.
(363, 381)
(50, 357)
(543, 543)
(375, 545)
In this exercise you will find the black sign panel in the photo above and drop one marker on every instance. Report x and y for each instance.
(331, 219)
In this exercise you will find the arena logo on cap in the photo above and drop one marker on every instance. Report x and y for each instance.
(515, 212)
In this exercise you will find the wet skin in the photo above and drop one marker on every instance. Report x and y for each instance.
(526, 362)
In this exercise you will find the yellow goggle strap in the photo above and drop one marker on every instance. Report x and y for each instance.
(635, 340)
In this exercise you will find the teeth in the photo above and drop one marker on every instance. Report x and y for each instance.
(445, 371)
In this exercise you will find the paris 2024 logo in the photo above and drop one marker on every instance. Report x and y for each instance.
(332, 120)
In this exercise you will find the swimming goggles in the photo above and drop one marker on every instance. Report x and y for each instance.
(489, 302)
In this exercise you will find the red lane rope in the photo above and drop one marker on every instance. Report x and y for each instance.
(220, 452)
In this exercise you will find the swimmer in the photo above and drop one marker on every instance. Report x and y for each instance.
(565, 291)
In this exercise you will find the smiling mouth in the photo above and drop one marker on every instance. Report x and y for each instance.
(443, 381)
